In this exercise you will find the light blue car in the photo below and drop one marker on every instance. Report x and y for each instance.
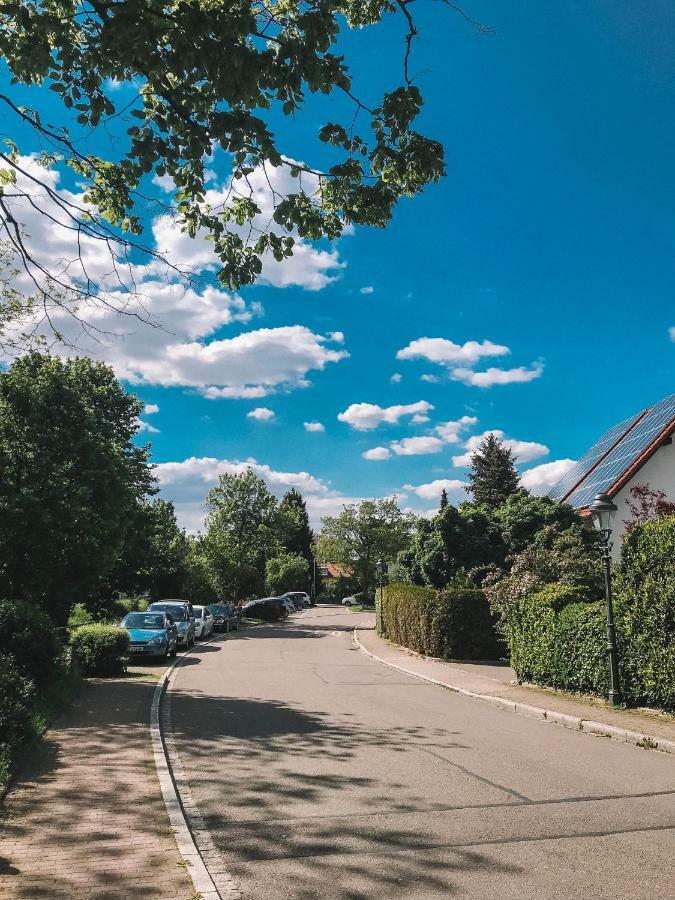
(151, 634)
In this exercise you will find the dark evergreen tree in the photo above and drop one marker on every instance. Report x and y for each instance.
(444, 498)
(493, 476)
(296, 535)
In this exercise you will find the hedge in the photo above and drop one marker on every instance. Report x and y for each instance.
(557, 641)
(450, 624)
(645, 613)
(28, 635)
(100, 649)
(16, 696)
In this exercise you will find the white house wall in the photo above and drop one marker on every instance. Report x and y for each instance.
(659, 474)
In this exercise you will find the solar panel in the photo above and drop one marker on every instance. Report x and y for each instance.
(581, 468)
(625, 453)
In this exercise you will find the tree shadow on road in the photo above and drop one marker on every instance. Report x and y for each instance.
(291, 792)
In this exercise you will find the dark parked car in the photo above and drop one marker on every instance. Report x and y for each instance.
(151, 634)
(267, 608)
(225, 616)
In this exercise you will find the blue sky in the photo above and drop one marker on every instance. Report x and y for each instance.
(552, 235)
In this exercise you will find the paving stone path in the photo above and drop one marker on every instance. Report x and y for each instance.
(86, 817)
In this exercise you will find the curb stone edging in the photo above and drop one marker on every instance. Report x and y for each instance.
(587, 726)
(170, 774)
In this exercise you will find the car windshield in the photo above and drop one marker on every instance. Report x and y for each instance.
(177, 613)
(198, 611)
(217, 608)
(144, 621)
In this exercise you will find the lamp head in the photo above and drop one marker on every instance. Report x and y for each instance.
(602, 511)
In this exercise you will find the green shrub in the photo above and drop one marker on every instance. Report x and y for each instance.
(645, 613)
(100, 649)
(451, 624)
(27, 634)
(79, 615)
(16, 695)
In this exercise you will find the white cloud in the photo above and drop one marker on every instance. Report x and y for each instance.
(309, 267)
(396, 378)
(251, 365)
(416, 446)
(524, 451)
(146, 426)
(187, 482)
(260, 414)
(369, 289)
(171, 335)
(539, 479)
(445, 352)
(376, 453)
(150, 409)
(449, 431)
(433, 489)
(366, 416)
(430, 379)
(419, 418)
(493, 376)
(671, 332)
(314, 426)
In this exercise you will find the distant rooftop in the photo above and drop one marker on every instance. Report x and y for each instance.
(617, 456)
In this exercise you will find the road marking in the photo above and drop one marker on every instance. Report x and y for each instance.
(201, 878)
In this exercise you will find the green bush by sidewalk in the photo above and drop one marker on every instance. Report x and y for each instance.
(645, 613)
(16, 695)
(27, 634)
(100, 649)
(450, 624)
(556, 640)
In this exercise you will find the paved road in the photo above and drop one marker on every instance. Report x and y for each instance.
(322, 774)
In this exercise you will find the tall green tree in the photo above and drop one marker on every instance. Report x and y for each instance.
(286, 572)
(362, 534)
(71, 478)
(153, 557)
(444, 499)
(295, 532)
(241, 533)
(492, 476)
(213, 76)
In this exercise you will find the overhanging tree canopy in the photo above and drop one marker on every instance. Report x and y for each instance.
(208, 76)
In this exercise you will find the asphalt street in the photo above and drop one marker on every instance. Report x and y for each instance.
(321, 773)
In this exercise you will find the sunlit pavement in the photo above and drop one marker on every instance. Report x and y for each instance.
(320, 773)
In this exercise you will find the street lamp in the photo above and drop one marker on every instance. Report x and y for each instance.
(381, 572)
(602, 511)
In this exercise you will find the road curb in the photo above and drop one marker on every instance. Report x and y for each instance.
(196, 868)
(587, 726)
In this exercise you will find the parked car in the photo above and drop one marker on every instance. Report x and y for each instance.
(225, 616)
(350, 601)
(203, 621)
(288, 604)
(183, 617)
(256, 608)
(301, 599)
(151, 633)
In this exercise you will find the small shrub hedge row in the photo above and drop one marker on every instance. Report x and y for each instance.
(558, 641)
(451, 624)
(100, 649)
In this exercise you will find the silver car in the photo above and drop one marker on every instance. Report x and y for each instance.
(183, 617)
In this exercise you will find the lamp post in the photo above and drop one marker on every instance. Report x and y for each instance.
(381, 570)
(602, 510)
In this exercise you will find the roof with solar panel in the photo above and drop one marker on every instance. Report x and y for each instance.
(617, 456)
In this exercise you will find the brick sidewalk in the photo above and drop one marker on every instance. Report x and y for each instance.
(496, 681)
(86, 818)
